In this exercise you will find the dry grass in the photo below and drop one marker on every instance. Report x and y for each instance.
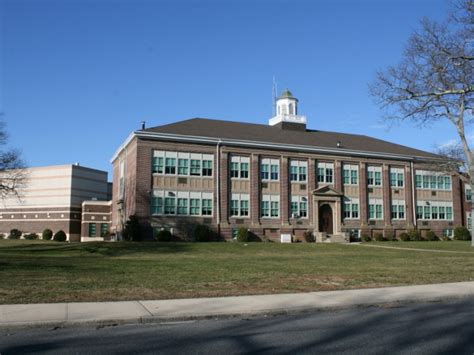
(36, 271)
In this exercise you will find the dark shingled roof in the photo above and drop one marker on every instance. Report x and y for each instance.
(204, 127)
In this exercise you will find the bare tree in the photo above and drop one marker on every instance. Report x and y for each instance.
(12, 172)
(435, 78)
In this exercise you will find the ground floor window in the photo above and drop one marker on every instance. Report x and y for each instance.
(434, 210)
(104, 229)
(183, 203)
(375, 209)
(448, 233)
(92, 230)
(299, 206)
(351, 208)
(398, 209)
(270, 206)
(239, 205)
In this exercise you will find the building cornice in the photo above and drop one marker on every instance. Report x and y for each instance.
(265, 145)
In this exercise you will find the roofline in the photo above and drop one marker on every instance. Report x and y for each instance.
(245, 143)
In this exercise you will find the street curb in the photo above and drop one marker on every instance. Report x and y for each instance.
(146, 312)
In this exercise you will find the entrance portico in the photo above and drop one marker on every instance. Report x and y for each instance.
(327, 215)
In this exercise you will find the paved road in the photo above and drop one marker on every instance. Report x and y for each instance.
(428, 328)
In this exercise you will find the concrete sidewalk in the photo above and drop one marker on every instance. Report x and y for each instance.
(194, 308)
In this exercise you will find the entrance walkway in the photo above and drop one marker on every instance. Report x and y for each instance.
(414, 249)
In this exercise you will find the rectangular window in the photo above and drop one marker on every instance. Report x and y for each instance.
(325, 172)
(346, 177)
(239, 167)
(375, 209)
(157, 165)
(207, 168)
(447, 182)
(234, 208)
(244, 170)
(350, 174)
(265, 209)
(182, 206)
(195, 206)
(239, 205)
(419, 212)
(303, 209)
(183, 166)
(351, 208)
(434, 210)
(448, 233)
(170, 205)
(426, 181)
(398, 209)
(468, 193)
(378, 178)
(370, 178)
(393, 179)
(294, 209)
(207, 207)
(274, 171)
(270, 206)
(92, 231)
(234, 170)
(170, 166)
(299, 206)
(195, 167)
(442, 212)
(156, 205)
(122, 179)
(449, 213)
(265, 171)
(104, 229)
(419, 181)
(397, 177)
(244, 207)
(426, 212)
(298, 170)
(432, 180)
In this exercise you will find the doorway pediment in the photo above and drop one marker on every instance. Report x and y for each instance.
(327, 191)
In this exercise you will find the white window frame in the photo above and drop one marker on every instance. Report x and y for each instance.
(239, 160)
(325, 175)
(298, 199)
(188, 195)
(429, 176)
(350, 168)
(351, 201)
(373, 170)
(397, 172)
(398, 203)
(466, 188)
(239, 197)
(376, 202)
(425, 204)
(184, 156)
(270, 199)
(270, 162)
(299, 164)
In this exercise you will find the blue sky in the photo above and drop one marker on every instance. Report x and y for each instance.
(78, 76)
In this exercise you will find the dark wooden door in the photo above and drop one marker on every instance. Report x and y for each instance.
(325, 219)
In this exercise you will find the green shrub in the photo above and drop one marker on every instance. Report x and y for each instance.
(202, 233)
(309, 237)
(390, 236)
(404, 237)
(415, 235)
(2, 236)
(60, 236)
(366, 238)
(431, 236)
(132, 230)
(379, 237)
(15, 234)
(243, 235)
(31, 236)
(163, 236)
(461, 233)
(47, 234)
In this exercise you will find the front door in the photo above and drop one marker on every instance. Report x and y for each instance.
(325, 219)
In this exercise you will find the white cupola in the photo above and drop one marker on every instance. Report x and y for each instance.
(287, 111)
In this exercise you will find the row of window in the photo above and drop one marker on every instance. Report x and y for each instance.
(104, 229)
(192, 164)
(434, 210)
(428, 180)
(183, 164)
(181, 203)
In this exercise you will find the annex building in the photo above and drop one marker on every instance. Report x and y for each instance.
(280, 178)
(72, 198)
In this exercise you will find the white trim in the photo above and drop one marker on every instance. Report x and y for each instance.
(289, 147)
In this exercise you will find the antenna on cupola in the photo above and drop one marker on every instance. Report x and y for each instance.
(274, 94)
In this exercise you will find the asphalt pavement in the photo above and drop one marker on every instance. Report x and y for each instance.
(445, 327)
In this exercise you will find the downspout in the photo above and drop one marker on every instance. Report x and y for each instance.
(218, 200)
(413, 194)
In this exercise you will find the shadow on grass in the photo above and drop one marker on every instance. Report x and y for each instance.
(97, 248)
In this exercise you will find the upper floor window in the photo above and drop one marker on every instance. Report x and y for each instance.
(239, 167)
(431, 180)
(121, 178)
(298, 170)
(325, 172)
(269, 169)
(374, 176)
(183, 164)
(350, 174)
(397, 177)
(468, 193)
